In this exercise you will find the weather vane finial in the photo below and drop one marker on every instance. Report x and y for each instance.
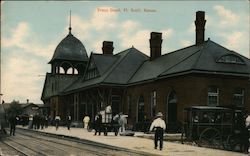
(70, 22)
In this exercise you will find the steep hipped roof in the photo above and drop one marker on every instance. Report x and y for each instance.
(70, 48)
(202, 58)
(55, 83)
(153, 68)
(103, 62)
(131, 66)
(113, 69)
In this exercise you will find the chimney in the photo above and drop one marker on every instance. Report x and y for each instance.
(107, 47)
(155, 45)
(200, 27)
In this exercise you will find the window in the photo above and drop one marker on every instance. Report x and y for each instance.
(129, 105)
(213, 96)
(140, 111)
(238, 97)
(92, 73)
(115, 103)
(153, 102)
(231, 59)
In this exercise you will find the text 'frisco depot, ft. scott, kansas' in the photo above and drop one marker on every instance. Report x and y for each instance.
(125, 10)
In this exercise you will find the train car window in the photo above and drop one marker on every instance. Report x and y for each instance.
(227, 117)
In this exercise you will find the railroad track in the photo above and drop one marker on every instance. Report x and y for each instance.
(30, 143)
(6, 149)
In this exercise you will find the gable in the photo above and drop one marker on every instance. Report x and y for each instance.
(92, 70)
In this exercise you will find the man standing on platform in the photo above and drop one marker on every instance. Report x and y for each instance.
(86, 120)
(57, 121)
(159, 126)
(98, 122)
(248, 131)
(68, 121)
(13, 122)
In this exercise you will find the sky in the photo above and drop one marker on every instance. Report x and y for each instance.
(31, 30)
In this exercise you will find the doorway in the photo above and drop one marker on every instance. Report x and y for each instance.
(140, 110)
(172, 125)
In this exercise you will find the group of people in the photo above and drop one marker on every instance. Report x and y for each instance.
(207, 118)
(57, 120)
(38, 121)
(34, 122)
(118, 119)
(158, 125)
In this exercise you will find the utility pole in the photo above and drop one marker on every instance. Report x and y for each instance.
(0, 72)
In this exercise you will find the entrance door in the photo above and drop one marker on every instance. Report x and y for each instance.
(172, 112)
(116, 101)
(140, 111)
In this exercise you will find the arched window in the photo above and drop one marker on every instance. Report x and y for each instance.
(76, 71)
(70, 71)
(172, 107)
(61, 70)
(231, 58)
(67, 67)
(153, 103)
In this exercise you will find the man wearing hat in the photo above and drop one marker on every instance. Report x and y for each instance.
(159, 126)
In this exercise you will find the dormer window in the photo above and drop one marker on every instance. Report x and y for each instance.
(92, 71)
(230, 59)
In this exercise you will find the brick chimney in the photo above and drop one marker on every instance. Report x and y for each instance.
(155, 45)
(107, 47)
(200, 27)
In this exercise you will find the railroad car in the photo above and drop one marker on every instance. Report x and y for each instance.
(216, 127)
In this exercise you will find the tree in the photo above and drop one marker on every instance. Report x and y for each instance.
(14, 109)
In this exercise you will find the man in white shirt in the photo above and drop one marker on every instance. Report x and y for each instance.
(159, 126)
(248, 131)
(57, 120)
(86, 120)
(248, 121)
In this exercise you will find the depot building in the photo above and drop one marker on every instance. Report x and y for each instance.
(138, 85)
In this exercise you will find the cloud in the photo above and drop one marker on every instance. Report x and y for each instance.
(228, 27)
(129, 25)
(138, 39)
(227, 17)
(23, 64)
(97, 45)
(235, 41)
(225, 28)
(104, 20)
(99, 21)
(106, 26)
(21, 79)
(17, 35)
(22, 37)
(134, 34)
(185, 43)
(80, 26)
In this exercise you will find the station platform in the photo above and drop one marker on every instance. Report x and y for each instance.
(140, 142)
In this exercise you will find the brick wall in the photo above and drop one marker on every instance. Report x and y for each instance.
(190, 90)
